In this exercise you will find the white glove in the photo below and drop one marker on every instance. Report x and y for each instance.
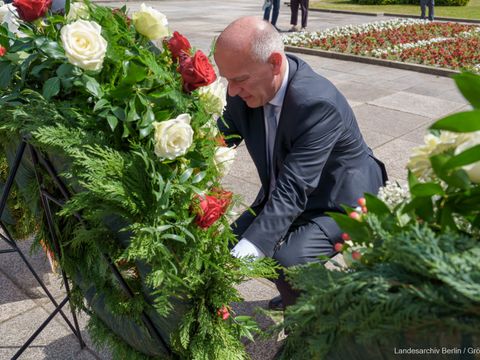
(245, 248)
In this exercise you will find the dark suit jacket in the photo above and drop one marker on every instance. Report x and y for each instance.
(320, 158)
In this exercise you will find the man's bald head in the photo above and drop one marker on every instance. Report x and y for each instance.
(250, 36)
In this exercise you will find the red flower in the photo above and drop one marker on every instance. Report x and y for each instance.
(196, 71)
(212, 207)
(30, 10)
(338, 247)
(223, 312)
(178, 44)
(3, 51)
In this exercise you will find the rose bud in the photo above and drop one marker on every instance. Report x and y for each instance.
(345, 237)
(355, 216)
(223, 312)
(3, 51)
(356, 255)
(362, 202)
(338, 247)
(364, 209)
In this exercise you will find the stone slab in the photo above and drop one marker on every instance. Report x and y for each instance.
(386, 121)
(359, 92)
(13, 301)
(422, 105)
(395, 155)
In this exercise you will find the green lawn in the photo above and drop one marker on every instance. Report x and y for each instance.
(471, 11)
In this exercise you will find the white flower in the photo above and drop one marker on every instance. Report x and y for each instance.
(419, 162)
(393, 194)
(78, 10)
(173, 137)
(214, 97)
(9, 16)
(151, 23)
(472, 170)
(224, 158)
(84, 44)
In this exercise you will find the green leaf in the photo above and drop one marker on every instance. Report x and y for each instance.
(92, 86)
(376, 206)
(412, 179)
(174, 237)
(199, 177)
(427, 189)
(144, 132)
(147, 118)
(134, 73)
(466, 157)
(51, 48)
(186, 175)
(467, 121)
(469, 85)
(358, 230)
(100, 104)
(422, 206)
(112, 121)
(51, 87)
(66, 70)
(37, 69)
(446, 219)
(6, 74)
(119, 112)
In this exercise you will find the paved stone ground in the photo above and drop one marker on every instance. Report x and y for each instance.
(393, 107)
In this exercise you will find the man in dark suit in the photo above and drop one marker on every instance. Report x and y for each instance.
(304, 140)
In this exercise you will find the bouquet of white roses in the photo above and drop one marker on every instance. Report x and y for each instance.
(132, 128)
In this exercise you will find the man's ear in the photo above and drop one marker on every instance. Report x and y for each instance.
(276, 60)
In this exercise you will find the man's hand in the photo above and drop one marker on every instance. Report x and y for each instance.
(245, 248)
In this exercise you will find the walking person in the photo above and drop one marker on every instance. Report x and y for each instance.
(275, 5)
(303, 4)
(423, 6)
(303, 137)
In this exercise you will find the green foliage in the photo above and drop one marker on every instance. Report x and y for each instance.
(138, 210)
(418, 272)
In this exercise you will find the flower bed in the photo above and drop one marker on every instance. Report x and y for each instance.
(446, 45)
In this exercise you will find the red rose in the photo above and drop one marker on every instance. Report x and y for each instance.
(212, 207)
(223, 312)
(3, 51)
(196, 71)
(178, 44)
(29, 10)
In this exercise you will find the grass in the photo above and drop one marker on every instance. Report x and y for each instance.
(470, 11)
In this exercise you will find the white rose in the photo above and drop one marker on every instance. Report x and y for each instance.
(8, 16)
(214, 97)
(150, 22)
(472, 170)
(78, 10)
(84, 44)
(224, 158)
(173, 137)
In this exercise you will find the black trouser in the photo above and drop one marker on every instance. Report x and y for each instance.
(294, 4)
(305, 242)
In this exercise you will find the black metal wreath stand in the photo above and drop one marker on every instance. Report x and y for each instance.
(42, 162)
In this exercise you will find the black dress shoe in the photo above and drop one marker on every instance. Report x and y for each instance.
(276, 303)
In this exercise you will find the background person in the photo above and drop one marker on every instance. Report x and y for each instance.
(294, 5)
(275, 4)
(304, 140)
(423, 5)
